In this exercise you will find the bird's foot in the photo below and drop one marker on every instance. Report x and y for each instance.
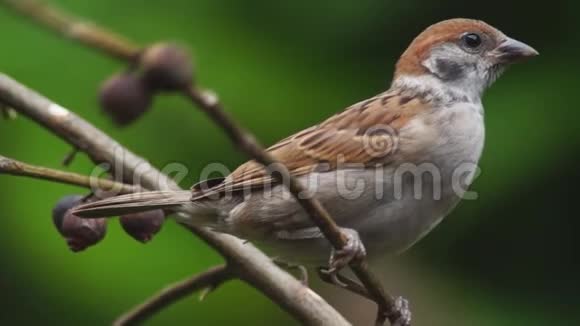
(339, 259)
(302, 271)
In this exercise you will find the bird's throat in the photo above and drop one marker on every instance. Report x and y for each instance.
(434, 89)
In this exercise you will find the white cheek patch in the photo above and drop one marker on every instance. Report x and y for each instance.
(448, 62)
(462, 72)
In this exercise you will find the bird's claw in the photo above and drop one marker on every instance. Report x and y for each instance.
(339, 259)
(302, 271)
(332, 277)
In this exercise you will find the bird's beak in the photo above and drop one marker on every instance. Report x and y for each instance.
(511, 51)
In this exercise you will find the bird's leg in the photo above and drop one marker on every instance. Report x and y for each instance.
(302, 271)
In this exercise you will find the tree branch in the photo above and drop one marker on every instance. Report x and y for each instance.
(17, 168)
(210, 279)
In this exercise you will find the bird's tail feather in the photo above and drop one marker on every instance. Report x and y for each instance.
(133, 203)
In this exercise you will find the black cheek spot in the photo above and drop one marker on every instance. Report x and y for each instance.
(448, 70)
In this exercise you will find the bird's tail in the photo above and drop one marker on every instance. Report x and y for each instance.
(133, 203)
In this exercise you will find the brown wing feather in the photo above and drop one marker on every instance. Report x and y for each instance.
(344, 138)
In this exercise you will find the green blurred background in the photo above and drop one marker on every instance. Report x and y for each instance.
(508, 258)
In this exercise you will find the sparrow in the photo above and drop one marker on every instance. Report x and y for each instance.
(388, 169)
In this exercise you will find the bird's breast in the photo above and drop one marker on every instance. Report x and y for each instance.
(446, 137)
(442, 149)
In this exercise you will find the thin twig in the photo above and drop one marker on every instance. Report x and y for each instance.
(251, 264)
(14, 167)
(69, 157)
(210, 279)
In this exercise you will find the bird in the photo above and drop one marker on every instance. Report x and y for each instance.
(388, 169)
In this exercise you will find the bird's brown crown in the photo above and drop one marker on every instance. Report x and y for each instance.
(451, 30)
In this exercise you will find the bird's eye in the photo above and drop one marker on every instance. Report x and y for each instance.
(472, 40)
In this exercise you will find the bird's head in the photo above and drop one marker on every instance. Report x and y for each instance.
(461, 53)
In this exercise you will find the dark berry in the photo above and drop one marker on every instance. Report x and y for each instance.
(167, 67)
(79, 233)
(143, 226)
(124, 97)
(61, 207)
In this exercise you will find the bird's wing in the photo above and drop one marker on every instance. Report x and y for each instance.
(365, 134)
